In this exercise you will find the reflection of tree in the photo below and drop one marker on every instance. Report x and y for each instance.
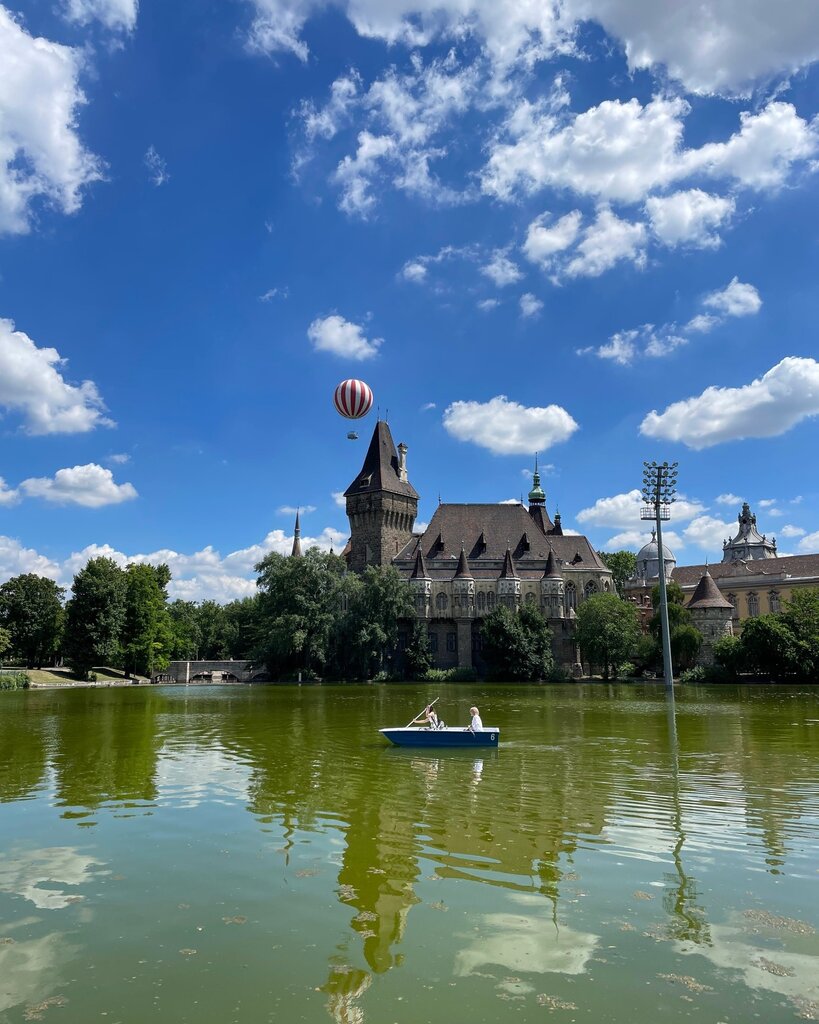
(23, 728)
(107, 747)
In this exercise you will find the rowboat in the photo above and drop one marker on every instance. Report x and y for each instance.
(450, 736)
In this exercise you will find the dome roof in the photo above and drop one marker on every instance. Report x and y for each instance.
(648, 560)
(651, 551)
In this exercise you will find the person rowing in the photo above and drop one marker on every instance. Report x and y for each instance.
(427, 717)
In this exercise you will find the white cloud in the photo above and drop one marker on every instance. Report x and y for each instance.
(291, 510)
(633, 540)
(810, 543)
(427, 406)
(157, 168)
(605, 242)
(708, 533)
(273, 293)
(530, 305)
(487, 305)
(623, 510)
(792, 531)
(327, 121)
(689, 217)
(501, 269)
(728, 499)
(736, 299)
(341, 337)
(117, 15)
(787, 394)
(8, 496)
(508, 428)
(743, 41)
(545, 240)
(414, 270)
(16, 560)
(31, 384)
(41, 155)
(702, 323)
(766, 502)
(339, 499)
(119, 459)
(90, 486)
(624, 151)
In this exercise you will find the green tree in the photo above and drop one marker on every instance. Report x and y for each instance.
(299, 609)
(685, 639)
(729, 654)
(623, 565)
(95, 616)
(771, 648)
(5, 642)
(517, 646)
(241, 626)
(382, 600)
(606, 631)
(147, 635)
(213, 631)
(418, 655)
(185, 632)
(801, 614)
(31, 610)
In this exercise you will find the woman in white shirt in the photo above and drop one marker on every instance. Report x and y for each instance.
(476, 725)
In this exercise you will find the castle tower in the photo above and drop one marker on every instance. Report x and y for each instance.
(463, 588)
(749, 543)
(381, 503)
(421, 584)
(296, 552)
(509, 582)
(551, 589)
(537, 503)
(711, 614)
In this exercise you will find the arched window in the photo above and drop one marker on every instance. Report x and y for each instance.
(753, 605)
(570, 596)
(481, 598)
(531, 598)
(774, 603)
(606, 586)
(590, 588)
(490, 600)
(732, 598)
(441, 602)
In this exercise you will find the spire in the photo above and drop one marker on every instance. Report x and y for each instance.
(463, 572)
(383, 470)
(551, 572)
(537, 496)
(296, 552)
(509, 572)
(419, 571)
(557, 529)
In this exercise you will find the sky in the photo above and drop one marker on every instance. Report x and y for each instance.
(583, 228)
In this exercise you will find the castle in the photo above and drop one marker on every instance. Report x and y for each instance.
(470, 558)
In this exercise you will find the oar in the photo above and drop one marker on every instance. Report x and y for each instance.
(422, 709)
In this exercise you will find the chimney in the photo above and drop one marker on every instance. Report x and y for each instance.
(402, 462)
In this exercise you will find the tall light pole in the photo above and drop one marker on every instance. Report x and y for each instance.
(659, 493)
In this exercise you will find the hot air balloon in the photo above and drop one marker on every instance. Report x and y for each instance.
(353, 399)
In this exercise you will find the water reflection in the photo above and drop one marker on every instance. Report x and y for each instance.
(658, 794)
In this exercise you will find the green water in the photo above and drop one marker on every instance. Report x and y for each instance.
(231, 854)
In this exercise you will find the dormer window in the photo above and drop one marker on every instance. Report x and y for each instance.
(365, 481)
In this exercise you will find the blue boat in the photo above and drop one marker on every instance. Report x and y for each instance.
(424, 736)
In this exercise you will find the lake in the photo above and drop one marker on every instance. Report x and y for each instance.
(233, 854)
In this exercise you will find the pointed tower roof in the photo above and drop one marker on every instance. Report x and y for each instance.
(296, 552)
(707, 595)
(537, 496)
(419, 570)
(551, 572)
(557, 529)
(381, 471)
(509, 572)
(463, 572)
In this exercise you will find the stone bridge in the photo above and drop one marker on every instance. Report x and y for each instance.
(211, 672)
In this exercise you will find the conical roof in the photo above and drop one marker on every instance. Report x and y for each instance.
(707, 594)
(296, 552)
(551, 572)
(419, 570)
(463, 572)
(380, 470)
(509, 572)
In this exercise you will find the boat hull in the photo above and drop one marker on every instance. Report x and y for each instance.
(450, 737)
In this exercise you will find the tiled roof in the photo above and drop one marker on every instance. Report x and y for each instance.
(380, 469)
(799, 566)
(551, 571)
(485, 531)
(463, 568)
(508, 571)
(707, 594)
(419, 571)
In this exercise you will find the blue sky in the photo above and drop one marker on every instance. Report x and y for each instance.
(587, 229)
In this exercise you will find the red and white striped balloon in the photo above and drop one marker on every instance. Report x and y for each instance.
(353, 399)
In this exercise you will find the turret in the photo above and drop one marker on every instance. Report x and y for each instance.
(296, 552)
(463, 588)
(421, 584)
(537, 503)
(551, 589)
(509, 582)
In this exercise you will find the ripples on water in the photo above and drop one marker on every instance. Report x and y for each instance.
(259, 854)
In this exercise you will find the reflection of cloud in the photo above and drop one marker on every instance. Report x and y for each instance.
(527, 942)
(345, 988)
(25, 870)
(29, 969)
(796, 974)
(193, 777)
